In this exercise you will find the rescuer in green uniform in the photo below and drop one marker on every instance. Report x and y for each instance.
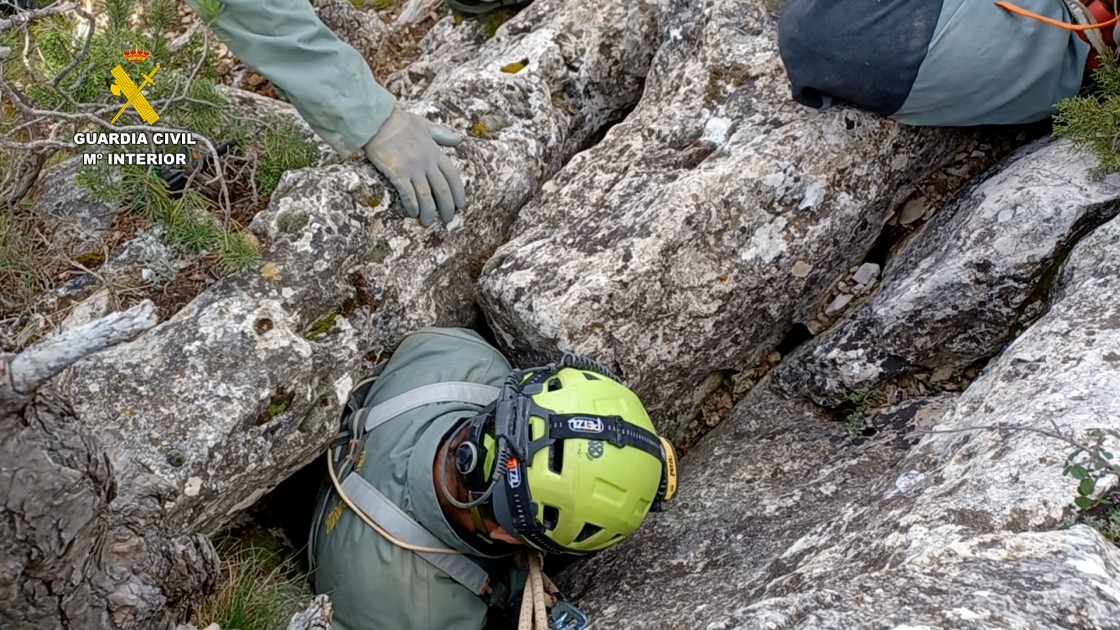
(452, 462)
(334, 90)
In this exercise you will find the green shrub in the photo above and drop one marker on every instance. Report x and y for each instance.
(193, 222)
(1092, 120)
(20, 263)
(285, 149)
(1108, 524)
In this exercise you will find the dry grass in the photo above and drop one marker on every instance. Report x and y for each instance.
(259, 590)
(21, 262)
(401, 47)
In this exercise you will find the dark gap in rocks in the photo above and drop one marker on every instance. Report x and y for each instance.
(361, 297)
(597, 136)
(940, 188)
(481, 326)
(283, 516)
(974, 369)
(712, 411)
(880, 250)
(554, 564)
(521, 355)
(796, 336)
(1038, 302)
(263, 325)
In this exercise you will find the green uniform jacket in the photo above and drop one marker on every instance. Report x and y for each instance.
(328, 81)
(373, 583)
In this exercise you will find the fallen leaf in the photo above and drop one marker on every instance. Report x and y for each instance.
(515, 67)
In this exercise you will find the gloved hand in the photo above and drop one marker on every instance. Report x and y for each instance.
(405, 150)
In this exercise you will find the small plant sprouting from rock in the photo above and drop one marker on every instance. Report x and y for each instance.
(1090, 464)
(1093, 465)
(491, 22)
(853, 424)
(321, 327)
(278, 406)
(487, 125)
(862, 401)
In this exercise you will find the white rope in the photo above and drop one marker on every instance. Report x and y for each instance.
(537, 596)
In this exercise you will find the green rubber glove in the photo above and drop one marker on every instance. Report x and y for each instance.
(405, 150)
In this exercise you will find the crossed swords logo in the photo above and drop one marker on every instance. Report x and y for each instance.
(133, 94)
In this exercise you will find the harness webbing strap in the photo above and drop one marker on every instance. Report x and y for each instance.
(453, 391)
(386, 514)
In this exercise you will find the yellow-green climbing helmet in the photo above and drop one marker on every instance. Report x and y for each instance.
(572, 460)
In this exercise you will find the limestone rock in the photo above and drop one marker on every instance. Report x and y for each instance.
(913, 210)
(779, 526)
(315, 616)
(75, 219)
(675, 250)
(839, 303)
(962, 288)
(363, 30)
(442, 49)
(83, 539)
(778, 471)
(242, 386)
(866, 275)
(416, 11)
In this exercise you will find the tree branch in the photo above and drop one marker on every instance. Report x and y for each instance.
(22, 374)
(24, 17)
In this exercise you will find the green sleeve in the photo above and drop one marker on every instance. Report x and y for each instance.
(328, 81)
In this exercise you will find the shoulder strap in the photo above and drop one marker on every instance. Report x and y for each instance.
(386, 514)
(452, 391)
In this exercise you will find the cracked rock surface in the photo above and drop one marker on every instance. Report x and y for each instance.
(242, 386)
(781, 527)
(642, 190)
(690, 240)
(961, 289)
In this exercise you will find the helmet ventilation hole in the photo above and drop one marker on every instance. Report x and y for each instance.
(556, 456)
(551, 517)
(554, 385)
(588, 531)
(591, 377)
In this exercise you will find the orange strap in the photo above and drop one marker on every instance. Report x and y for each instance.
(1003, 4)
